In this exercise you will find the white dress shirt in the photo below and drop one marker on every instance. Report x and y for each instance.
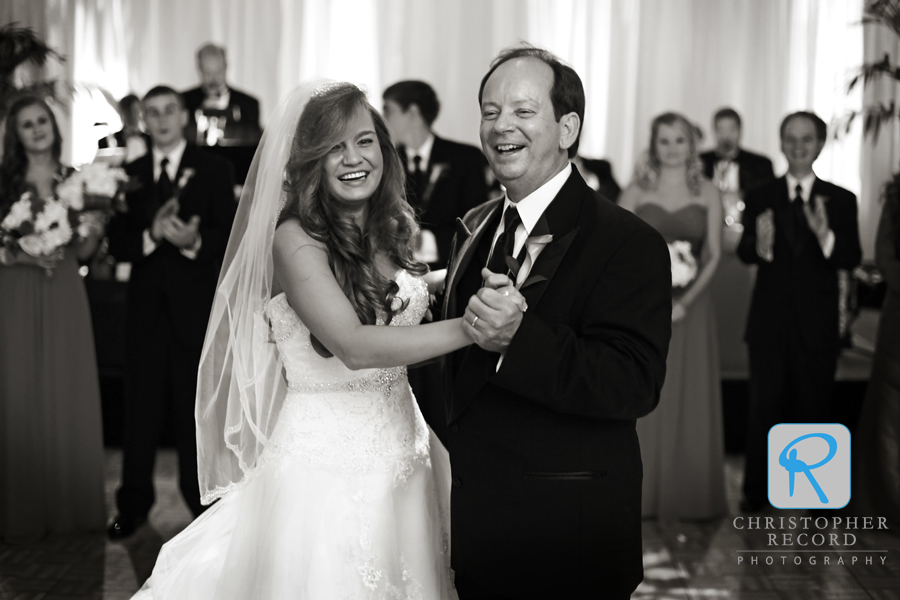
(423, 152)
(806, 185)
(174, 155)
(530, 208)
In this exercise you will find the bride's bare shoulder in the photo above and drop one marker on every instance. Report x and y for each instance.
(290, 238)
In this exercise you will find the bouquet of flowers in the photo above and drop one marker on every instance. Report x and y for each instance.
(39, 226)
(684, 265)
(83, 202)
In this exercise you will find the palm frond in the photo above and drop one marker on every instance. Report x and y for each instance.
(883, 12)
(19, 44)
(873, 118)
(869, 72)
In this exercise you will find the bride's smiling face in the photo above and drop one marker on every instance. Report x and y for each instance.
(354, 166)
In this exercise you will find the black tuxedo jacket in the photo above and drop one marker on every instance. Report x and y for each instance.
(799, 285)
(456, 184)
(753, 169)
(165, 280)
(546, 463)
(248, 105)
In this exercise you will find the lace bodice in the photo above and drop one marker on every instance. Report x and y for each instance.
(352, 421)
(307, 371)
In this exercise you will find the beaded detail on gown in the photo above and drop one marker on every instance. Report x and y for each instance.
(682, 441)
(349, 500)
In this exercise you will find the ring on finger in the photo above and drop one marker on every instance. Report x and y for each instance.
(475, 320)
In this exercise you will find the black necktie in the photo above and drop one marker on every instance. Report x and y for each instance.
(505, 243)
(798, 219)
(418, 176)
(164, 184)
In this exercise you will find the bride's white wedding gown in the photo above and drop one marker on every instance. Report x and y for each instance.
(350, 499)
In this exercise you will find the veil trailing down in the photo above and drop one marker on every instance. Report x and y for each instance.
(329, 483)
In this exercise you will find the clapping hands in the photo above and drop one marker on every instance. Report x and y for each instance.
(167, 225)
(493, 315)
(765, 235)
(817, 218)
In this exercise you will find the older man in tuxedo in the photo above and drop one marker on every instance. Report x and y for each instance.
(174, 235)
(214, 97)
(541, 413)
(799, 230)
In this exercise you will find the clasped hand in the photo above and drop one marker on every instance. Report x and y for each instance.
(167, 225)
(816, 218)
(493, 314)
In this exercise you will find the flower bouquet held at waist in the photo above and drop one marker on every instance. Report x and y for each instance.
(80, 208)
(684, 265)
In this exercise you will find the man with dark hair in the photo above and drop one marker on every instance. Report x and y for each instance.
(798, 230)
(215, 98)
(730, 166)
(444, 180)
(174, 235)
(734, 171)
(541, 412)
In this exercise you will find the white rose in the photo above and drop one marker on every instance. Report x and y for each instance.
(33, 244)
(19, 213)
(70, 192)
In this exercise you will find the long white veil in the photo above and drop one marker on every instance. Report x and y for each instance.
(241, 389)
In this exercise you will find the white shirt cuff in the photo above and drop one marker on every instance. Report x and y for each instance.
(828, 244)
(191, 252)
(149, 245)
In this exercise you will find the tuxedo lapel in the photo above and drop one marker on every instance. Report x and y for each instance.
(461, 259)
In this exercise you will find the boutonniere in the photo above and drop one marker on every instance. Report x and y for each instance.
(436, 171)
(533, 246)
(186, 176)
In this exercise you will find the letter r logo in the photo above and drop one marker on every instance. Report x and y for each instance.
(809, 465)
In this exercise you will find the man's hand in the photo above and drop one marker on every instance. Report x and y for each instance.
(179, 233)
(765, 234)
(817, 218)
(165, 212)
(494, 314)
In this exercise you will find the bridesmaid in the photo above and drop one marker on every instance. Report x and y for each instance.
(51, 443)
(682, 443)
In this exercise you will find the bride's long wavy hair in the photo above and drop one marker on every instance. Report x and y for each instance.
(390, 225)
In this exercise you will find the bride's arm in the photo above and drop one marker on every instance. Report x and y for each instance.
(302, 271)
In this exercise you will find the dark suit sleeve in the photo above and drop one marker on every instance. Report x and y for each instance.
(215, 231)
(126, 230)
(746, 249)
(614, 365)
(847, 252)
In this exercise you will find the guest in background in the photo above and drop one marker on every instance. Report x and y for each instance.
(798, 230)
(599, 176)
(444, 180)
(682, 441)
(876, 452)
(733, 171)
(174, 234)
(215, 97)
(131, 136)
(51, 440)
(729, 166)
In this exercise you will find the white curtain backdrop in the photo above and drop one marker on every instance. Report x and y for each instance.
(637, 58)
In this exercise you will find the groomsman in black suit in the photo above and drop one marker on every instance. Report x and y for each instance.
(214, 95)
(444, 180)
(729, 163)
(799, 230)
(174, 235)
(546, 494)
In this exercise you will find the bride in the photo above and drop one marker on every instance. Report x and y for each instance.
(332, 485)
